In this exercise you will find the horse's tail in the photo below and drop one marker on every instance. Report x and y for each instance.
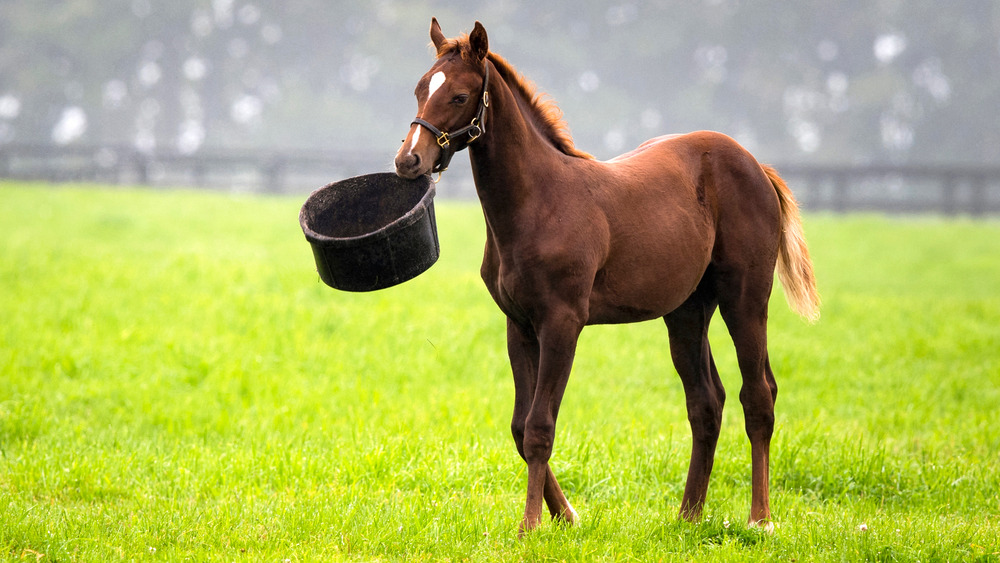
(795, 269)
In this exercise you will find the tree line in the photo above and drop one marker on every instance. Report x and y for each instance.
(872, 81)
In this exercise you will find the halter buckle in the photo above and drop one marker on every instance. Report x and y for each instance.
(442, 140)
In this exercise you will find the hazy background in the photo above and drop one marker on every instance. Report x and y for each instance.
(873, 81)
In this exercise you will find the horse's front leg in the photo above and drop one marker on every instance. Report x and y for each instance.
(522, 348)
(539, 402)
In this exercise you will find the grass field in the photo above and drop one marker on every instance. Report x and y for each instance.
(176, 383)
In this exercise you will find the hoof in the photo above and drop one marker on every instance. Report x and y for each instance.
(568, 516)
(525, 528)
(766, 526)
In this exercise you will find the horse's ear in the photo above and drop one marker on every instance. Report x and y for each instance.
(437, 38)
(479, 42)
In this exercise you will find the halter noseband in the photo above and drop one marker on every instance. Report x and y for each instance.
(473, 129)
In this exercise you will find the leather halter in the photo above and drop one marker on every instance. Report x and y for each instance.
(448, 140)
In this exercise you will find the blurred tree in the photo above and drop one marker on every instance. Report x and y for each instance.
(858, 81)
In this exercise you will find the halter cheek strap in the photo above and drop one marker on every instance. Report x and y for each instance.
(461, 137)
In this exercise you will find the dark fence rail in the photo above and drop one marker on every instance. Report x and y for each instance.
(903, 188)
(897, 188)
(252, 171)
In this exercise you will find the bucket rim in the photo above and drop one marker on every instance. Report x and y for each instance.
(415, 214)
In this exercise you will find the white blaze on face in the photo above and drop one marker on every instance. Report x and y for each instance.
(436, 81)
(416, 135)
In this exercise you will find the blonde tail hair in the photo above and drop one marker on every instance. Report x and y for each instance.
(795, 269)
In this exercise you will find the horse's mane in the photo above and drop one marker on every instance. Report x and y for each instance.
(548, 116)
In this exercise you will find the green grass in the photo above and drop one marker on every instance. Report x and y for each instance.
(175, 383)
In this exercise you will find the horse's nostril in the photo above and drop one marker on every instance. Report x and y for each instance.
(408, 163)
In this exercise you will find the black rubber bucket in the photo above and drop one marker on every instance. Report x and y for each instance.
(371, 232)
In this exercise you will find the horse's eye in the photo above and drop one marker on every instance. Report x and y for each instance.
(460, 99)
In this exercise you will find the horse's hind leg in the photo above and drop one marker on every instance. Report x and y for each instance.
(522, 348)
(744, 308)
(689, 348)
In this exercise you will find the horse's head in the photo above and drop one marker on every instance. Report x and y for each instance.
(451, 104)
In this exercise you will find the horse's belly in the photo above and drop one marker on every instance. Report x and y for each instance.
(639, 303)
(647, 282)
(610, 313)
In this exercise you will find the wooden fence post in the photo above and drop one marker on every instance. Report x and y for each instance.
(977, 199)
(274, 174)
(948, 193)
(841, 189)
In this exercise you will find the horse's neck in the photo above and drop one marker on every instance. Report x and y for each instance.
(511, 159)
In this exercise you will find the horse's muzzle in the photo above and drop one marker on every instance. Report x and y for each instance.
(409, 165)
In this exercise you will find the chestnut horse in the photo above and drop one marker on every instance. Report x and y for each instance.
(680, 226)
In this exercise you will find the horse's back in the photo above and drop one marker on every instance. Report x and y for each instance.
(696, 169)
(726, 178)
(645, 145)
(687, 147)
